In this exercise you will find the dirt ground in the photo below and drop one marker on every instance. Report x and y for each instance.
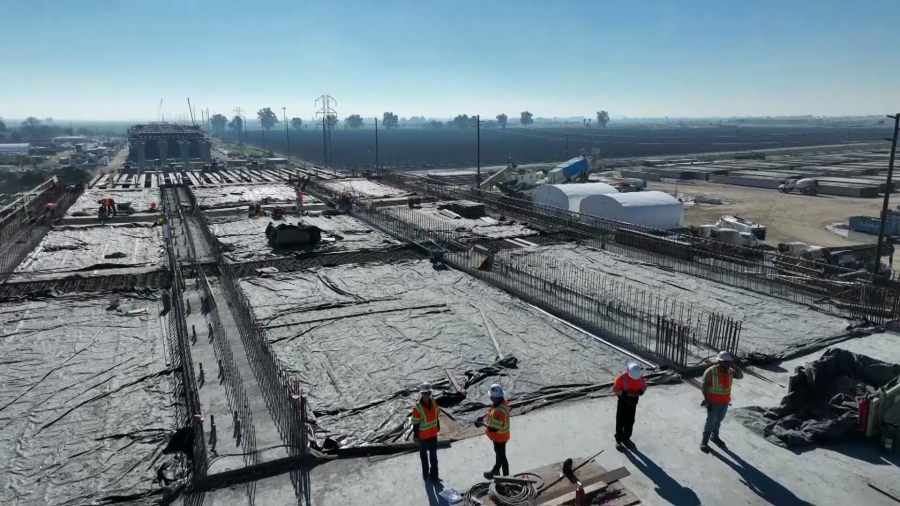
(787, 217)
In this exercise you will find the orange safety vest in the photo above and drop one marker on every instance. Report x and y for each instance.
(498, 419)
(719, 387)
(624, 382)
(426, 418)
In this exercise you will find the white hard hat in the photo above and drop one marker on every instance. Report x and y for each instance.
(723, 356)
(634, 371)
(425, 387)
(496, 390)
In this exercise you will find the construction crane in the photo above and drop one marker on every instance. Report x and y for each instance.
(159, 111)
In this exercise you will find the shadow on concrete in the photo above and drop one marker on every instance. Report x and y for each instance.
(666, 487)
(433, 490)
(759, 482)
(771, 367)
(301, 481)
(859, 449)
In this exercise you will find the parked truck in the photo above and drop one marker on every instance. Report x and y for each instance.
(806, 186)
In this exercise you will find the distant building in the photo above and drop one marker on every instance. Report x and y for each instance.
(14, 149)
(71, 139)
(167, 142)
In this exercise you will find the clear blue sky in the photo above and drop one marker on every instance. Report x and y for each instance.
(115, 59)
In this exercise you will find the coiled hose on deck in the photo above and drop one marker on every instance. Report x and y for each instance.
(504, 492)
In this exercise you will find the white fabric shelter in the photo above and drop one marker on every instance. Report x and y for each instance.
(652, 209)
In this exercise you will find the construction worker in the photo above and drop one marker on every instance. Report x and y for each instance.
(629, 386)
(109, 205)
(716, 395)
(497, 430)
(426, 425)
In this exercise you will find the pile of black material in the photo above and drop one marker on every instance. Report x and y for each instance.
(822, 406)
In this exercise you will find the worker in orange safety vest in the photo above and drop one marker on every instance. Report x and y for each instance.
(629, 386)
(716, 388)
(497, 430)
(426, 425)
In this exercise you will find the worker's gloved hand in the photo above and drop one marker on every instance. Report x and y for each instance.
(704, 404)
(479, 421)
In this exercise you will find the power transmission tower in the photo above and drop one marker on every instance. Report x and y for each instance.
(325, 111)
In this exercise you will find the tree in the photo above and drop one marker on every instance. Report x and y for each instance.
(68, 131)
(2, 125)
(31, 124)
(332, 120)
(15, 136)
(48, 120)
(461, 121)
(501, 119)
(602, 118)
(218, 122)
(267, 118)
(354, 121)
(390, 120)
(83, 131)
(526, 118)
(435, 124)
(296, 123)
(584, 122)
(236, 124)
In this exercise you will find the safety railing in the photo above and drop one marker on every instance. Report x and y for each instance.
(767, 274)
(629, 316)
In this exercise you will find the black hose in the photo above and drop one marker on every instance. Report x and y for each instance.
(477, 491)
(512, 494)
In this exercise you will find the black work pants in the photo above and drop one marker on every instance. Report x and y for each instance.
(500, 462)
(625, 417)
(428, 448)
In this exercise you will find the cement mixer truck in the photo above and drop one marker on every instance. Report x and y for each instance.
(806, 186)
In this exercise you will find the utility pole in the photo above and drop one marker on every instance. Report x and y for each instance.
(887, 194)
(287, 133)
(376, 143)
(478, 154)
(325, 111)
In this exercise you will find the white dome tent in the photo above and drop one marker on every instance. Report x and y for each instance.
(569, 196)
(651, 209)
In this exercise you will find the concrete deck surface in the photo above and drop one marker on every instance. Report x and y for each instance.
(667, 466)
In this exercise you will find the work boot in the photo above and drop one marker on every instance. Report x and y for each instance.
(435, 478)
(717, 440)
(704, 445)
(488, 475)
(619, 446)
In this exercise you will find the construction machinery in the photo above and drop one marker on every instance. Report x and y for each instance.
(726, 236)
(743, 225)
(806, 186)
(513, 180)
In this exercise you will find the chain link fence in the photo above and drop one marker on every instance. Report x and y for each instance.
(756, 271)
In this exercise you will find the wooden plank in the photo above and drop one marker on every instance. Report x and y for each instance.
(94, 180)
(154, 180)
(456, 386)
(491, 332)
(102, 182)
(195, 180)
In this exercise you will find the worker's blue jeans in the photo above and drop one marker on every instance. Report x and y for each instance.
(715, 413)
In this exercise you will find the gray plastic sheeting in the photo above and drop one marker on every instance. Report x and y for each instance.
(362, 338)
(244, 195)
(772, 328)
(67, 249)
(244, 239)
(84, 399)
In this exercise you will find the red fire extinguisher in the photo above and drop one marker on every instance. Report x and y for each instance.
(579, 495)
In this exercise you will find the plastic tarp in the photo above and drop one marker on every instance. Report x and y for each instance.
(822, 408)
(209, 197)
(84, 398)
(73, 248)
(363, 188)
(140, 200)
(244, 239)
(363, 337)
(773, 329)
(468, 229)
